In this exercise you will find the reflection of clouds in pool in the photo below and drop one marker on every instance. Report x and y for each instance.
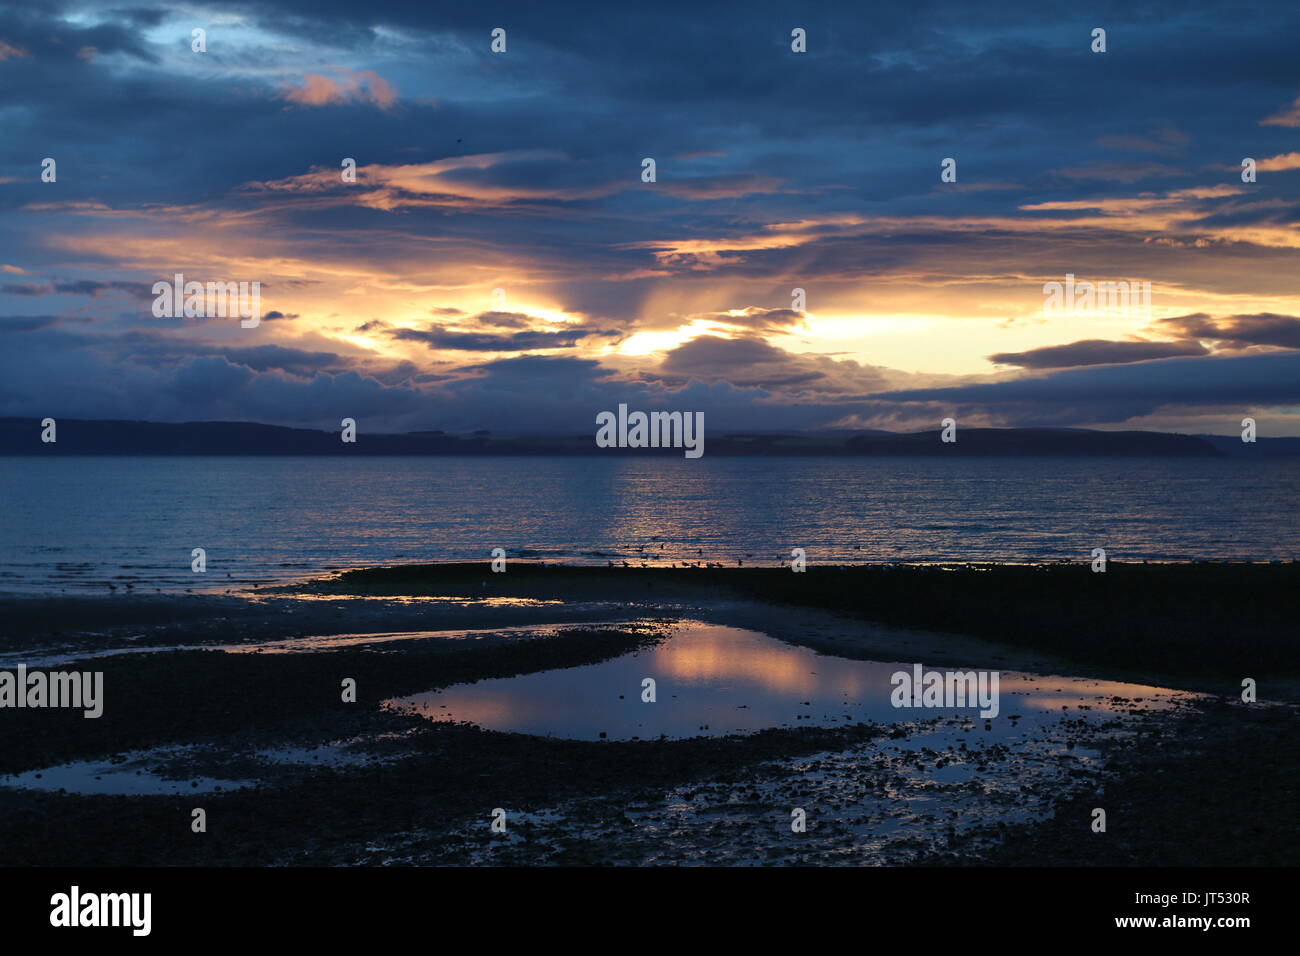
(706, 653)
(487, 710)
(730, 657)
(714, 680)
(1052, 693)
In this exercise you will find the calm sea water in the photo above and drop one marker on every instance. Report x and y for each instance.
(79, 524)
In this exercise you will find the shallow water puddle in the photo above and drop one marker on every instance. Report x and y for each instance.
(173, 769)
(130, 776)
(467, 600)
(312, 645)
(712, 680)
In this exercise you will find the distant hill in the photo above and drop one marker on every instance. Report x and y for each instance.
(21, 436)
(1234, 447)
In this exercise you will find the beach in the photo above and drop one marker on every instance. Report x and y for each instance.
(1120, 690)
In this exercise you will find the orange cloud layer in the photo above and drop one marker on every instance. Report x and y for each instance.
(318, 90)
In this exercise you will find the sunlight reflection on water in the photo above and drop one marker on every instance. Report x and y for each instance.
(260, 521)
(713, 680)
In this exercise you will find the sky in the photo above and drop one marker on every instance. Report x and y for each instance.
(502, 262)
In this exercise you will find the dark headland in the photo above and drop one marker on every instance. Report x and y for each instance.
(22, 436)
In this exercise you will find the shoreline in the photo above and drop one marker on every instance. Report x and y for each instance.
(414, 775)
(1192, 625)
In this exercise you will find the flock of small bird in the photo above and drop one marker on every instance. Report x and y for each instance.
(740, 563)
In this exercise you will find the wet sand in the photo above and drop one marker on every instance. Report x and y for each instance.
(256, 734)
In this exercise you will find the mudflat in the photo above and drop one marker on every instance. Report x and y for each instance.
(237, 704)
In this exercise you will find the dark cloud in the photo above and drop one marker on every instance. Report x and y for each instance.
(1116, 393)
(1121, 172)
(534, 368)
(1096, 352)
(296, 361)
(757, 318)
(744, 362)
(708, 353)
(91, 287)
(720, 187)
(749, 137)
(27, 323)
(1238, 331)
(487, 342)
(500, 320)
(34, 289)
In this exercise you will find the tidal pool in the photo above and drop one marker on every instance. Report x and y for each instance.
(141, 772)
(172, 769)
(712, 680)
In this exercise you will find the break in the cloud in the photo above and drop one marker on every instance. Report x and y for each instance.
(500, 262)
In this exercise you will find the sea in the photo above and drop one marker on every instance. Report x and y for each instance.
(103, 524)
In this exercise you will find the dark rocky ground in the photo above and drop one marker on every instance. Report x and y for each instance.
(1219, 788)
(1215, 784)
